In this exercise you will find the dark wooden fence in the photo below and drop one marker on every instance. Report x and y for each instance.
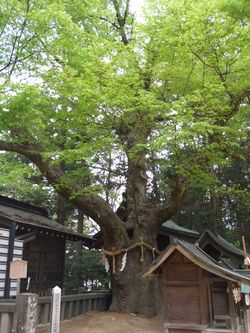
(71, 306)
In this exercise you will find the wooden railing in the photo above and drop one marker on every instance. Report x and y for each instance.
(74, 305)
(71, 306)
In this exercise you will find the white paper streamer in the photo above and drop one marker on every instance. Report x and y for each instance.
(236, 295)
(105, 263)
(124, 261)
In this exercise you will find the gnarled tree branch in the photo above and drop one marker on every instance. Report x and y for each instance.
(92, 205)
(121, 19)
(168, 210)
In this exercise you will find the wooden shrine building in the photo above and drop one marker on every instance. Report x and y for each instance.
(201, 293)
(43, 244)
(211, 242)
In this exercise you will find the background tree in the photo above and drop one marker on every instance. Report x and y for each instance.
(21, 180)
(92, 275)
(173, 90)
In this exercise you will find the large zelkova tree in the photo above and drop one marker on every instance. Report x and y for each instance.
(122, 117)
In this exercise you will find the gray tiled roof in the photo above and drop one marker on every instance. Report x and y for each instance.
(198, 253)
(21, 216)
(194, 253)
(221, 242)
(172, 228)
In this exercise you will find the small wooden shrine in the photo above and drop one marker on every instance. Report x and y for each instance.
(43, 245)
(200, 293)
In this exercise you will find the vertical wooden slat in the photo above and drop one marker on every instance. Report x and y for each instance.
(66, 308)
(232, 308)
(81, 306)
(165, 297)
(5, 323)
(101, 304)
(246, 314)
(62, 317)
(94, 304)
(85, 306)
(45, 313)
(203, 299)
(210, 302)
(76, 308)
(69, 308)
(90, 305)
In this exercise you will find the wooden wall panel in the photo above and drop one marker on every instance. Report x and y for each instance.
(220, 301)
(193, 297)
(220, 298)
(183, 304)
(184, 272)
(175, 258)
(45, 258)
(186, 260)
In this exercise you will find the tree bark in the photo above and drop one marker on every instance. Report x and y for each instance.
(130, 292)
(63, 210)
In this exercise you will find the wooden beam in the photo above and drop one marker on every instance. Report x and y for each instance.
(27, 237)
(244, 247)
(232, 306)
(180, 326)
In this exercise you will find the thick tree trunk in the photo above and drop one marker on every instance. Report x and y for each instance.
(131, 292)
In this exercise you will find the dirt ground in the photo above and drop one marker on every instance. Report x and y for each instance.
(108, 322)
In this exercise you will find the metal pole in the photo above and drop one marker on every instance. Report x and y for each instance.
(12, 233)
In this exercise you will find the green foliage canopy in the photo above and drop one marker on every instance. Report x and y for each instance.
(78, 83)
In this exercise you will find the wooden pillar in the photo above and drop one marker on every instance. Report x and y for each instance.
(203, 299)
(246, 313)
(232, 311)
(26, 314)
(9, 259)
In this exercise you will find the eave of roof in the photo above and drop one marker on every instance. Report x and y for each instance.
(173, 228)
(23, 206)
(221, 243)
(199, 258)
(30, 219)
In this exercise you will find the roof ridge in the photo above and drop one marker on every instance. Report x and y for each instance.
(25, 206)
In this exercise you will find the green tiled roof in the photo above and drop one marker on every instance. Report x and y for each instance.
(175, 227)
